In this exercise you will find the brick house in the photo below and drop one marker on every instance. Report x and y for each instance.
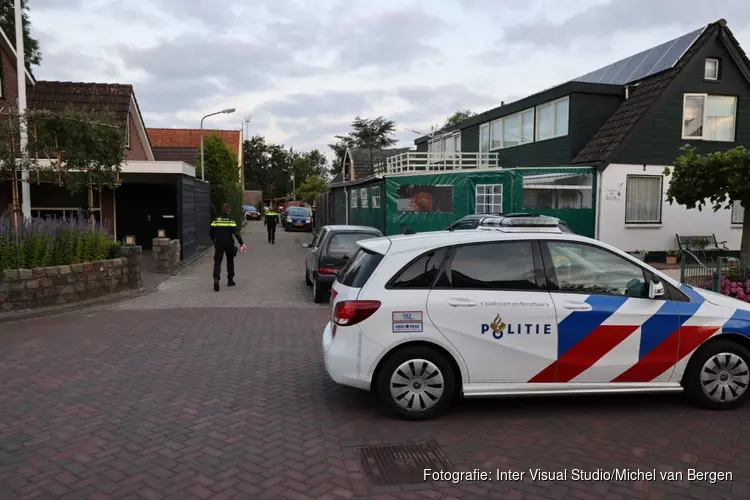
(153, 194)
(183, 144)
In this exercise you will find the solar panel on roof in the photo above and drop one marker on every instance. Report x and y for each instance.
(643, 64)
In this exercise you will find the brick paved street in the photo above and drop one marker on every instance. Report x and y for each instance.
(188, 393)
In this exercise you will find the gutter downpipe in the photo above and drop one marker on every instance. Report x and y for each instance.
(599, 190)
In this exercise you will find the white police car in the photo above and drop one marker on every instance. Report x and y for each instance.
(519, 308)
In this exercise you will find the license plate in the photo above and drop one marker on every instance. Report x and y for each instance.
(299, 224)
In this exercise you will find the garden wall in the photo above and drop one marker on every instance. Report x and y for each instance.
(22, 289)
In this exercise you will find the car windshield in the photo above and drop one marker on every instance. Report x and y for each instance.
(345, 244)
(298, 212)
(251, 209)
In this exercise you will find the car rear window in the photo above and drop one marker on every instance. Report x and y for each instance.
(358, 270)
(345, 244)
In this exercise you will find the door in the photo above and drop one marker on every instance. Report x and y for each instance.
(490, 302)
(609, 329)
(311, 256)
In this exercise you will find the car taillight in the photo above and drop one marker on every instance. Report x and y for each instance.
(327, 270)
(351, 312)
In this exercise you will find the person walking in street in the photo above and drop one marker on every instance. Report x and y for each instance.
(272, 218)
(223, 233)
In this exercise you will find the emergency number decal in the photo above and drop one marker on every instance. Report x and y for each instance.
(407, 321)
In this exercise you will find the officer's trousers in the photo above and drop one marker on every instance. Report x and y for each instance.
(271, 232)
(219, 252)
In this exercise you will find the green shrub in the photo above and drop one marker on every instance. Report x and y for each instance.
(53, 242)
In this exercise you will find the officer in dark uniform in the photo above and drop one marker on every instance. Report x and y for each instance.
(223, 232)
(272, 218)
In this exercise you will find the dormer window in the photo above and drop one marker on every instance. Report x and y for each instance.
(711, 69)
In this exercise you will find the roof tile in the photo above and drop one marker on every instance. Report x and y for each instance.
(191, 138)
(110, 97)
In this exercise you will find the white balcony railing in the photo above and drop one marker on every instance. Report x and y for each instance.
(414, 161)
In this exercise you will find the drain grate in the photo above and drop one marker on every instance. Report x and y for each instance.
(390, 464)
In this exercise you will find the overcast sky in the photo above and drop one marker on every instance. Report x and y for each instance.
(305, 68)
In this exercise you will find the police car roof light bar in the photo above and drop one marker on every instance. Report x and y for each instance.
(529, 221)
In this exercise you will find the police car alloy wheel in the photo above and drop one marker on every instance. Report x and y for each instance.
(416, 383)
(718, 375)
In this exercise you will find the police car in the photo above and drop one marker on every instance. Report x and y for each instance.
(517, 307)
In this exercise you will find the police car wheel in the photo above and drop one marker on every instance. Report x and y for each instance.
(416, 383)
(718, 376)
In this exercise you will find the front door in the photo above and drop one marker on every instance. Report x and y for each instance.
(491, 304)
(609, 329)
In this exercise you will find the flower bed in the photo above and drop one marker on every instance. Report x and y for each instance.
(53, 242)
(730, 285)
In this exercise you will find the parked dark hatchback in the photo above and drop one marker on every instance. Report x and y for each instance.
(298, 218)
(328, 252)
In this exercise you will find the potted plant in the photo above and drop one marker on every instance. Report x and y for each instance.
(639, 254)
(671, 256)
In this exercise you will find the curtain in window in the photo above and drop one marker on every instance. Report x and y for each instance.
(719, 120)
(561, 118)
(644, 199)
(544, 124)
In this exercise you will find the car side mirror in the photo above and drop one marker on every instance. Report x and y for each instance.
(305, 245)
(655, 288)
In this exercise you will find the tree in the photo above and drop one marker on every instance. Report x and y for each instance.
(367, 133)
(221, 173)
(458, 117)
(8, 24)
(719, 178)
(268, 167)
(310, 188)
(310, 164)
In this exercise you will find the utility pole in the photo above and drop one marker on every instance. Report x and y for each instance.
(24, 139)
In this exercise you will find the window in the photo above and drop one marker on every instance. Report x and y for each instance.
(643, 199)
(353, 198)
(376, 197)
(512, 131)
(489, 199)
(298, 212)
(527, 126)
(484, 142)
(359, 268)
(493, 266)
(581, 268)
(363, 197)
(738, 213)
(709, 117)
(424, 198)
(558, 190)
(345, 244)
(445, 144)
(552, 119)
(421, 273)
(711, 69)
(497, 134)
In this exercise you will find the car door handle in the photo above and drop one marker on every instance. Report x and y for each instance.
(577, 306)
(458, 302)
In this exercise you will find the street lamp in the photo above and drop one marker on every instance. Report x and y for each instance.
(223, 111)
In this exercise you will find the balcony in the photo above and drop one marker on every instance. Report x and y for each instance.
(418, 162)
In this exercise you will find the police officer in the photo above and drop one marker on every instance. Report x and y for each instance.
(272, 217)
(223, 232)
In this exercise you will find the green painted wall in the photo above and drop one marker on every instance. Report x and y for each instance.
(369, 215)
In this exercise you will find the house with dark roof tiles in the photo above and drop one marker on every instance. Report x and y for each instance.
(627, 120)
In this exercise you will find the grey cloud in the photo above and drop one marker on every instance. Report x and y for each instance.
(316, 135)
(601, 21)
(320, 105)
(444, 100)
(390, 39)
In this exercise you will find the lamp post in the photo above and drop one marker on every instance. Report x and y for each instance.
(223, 111)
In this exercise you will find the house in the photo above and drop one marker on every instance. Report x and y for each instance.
(623, 124)
(183, 144)
(152, 195)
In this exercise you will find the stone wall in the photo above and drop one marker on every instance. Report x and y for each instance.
(22, 289)
(166, 255)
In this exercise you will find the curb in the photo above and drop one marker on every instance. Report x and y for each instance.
(99, 301)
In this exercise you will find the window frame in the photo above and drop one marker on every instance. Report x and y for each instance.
(353, 196)
(318, 238)
(476, 195)
(539, 276)
(661, 200)
(375, 199)
(737, 205)
(501, 122)
(389, 284)
(553, 105)
(671, 293)
(714, 78)
(482, 127)
(363, 198)
(705, 97)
